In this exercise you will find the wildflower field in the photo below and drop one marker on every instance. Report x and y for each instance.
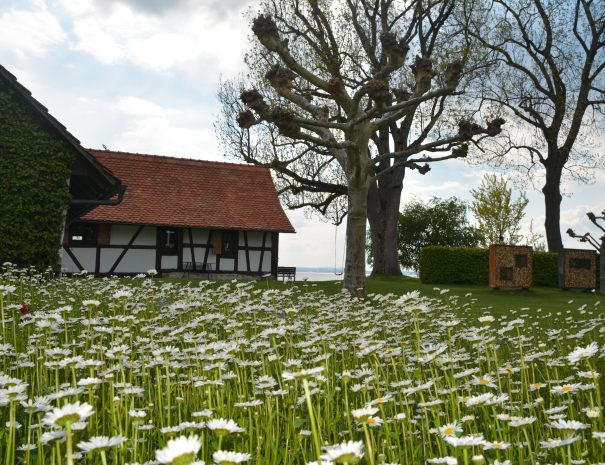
(115, 371)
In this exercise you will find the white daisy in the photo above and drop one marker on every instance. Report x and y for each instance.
(68, 414)
(222, 426)
(223, 457)
(346, 452)
(101, 442)
(581, 353)
(181, 450)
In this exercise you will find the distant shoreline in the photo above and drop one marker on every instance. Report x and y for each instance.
(328, 274)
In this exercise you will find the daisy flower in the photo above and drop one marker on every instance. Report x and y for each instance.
(223, 457)
(450, 429)
(485, 380)
(568, 425)
(68, 414)
(581, 353)
(520, 422)
(346, 452)
(362, 414)
(101, 443)
(496, 445)
(181, 451)
(466, 441)
(566, 389)
(552, 443)
(222, 426)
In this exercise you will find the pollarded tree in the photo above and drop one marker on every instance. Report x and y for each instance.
(549, 79)
(337, 94)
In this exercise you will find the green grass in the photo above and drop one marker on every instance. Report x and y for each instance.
(524, 303)
(496, 302)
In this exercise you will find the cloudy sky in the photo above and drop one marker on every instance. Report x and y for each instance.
(142, 76)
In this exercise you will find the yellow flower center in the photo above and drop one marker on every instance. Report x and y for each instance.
(448, 431)
(567, 388)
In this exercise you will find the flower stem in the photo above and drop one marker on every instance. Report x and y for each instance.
(316, 438)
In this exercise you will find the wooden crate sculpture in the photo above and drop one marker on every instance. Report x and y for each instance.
(511, 266)
(578, 269)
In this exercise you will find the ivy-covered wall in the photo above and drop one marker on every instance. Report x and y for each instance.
(35, 165)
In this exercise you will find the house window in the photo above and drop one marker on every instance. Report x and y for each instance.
(83, 234)
(229, 244)
(169, 241)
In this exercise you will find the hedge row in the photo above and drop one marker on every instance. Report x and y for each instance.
(470, 265)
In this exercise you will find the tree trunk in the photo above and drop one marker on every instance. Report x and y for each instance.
(384, 199)
(552, 201)
(355, 269)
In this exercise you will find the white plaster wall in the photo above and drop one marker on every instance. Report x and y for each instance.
(227, 264)
(108, 258)
(169, 262)
(138, 261)
(254, 256)
(67, 264)
(200, 236)
(255, 239)
(255, 259)
(212, 258)
(148, 236)
(241, 261)
(267, 262)
(86, 256)
(199, 254)
(122, 233)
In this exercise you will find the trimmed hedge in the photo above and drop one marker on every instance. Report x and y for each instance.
(546, 269)
(453, 265)
(470, 265)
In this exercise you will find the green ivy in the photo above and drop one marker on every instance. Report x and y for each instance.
(35, 165)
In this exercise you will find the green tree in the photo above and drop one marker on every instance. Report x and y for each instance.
(438, 222)
(498, 215)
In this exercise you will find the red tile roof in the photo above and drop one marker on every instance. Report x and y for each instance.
(191, 193)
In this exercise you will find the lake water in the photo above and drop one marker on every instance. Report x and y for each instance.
(325, 276)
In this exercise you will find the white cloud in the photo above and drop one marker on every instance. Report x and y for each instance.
(141, 107)
(29, 33)
(192, 39)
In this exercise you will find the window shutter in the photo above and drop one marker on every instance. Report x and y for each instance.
(217, 237)
(104, 234)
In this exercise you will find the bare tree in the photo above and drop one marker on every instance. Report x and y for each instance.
(548, 81)
(346, 67)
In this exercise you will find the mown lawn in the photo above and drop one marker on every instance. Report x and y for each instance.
(482, 298)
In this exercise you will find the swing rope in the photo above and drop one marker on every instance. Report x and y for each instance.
(335, 255)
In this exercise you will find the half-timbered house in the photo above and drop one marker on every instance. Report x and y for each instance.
(180, 216)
